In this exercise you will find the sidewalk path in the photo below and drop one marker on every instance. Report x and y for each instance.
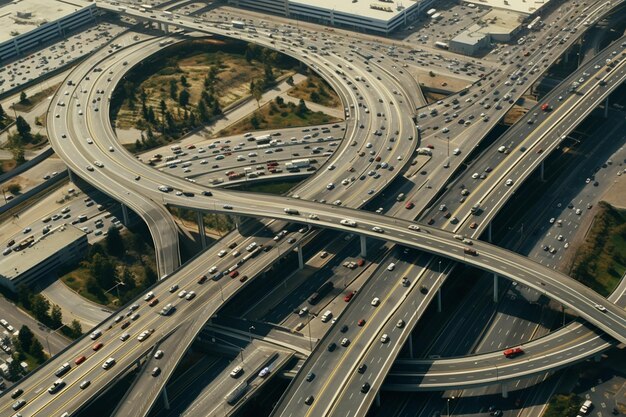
(74, 306)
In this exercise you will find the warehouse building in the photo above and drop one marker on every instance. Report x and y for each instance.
(29, 24)
(41, 257)
(382, 17)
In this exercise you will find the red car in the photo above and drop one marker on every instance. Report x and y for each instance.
(97, 346)
(361, 323)
(474, 225)
(409, 205)
(202, 279)
(430, 146)
(154, 302)
(348, 296)
(80, 360)
(513, 352)
(234, 274)
(360, 262)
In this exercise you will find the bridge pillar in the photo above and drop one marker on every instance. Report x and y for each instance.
(489, 233)
(125, 215)
(541, 173)
(138, 363)
(300, 258)
(411, 346)
(439, 300)
(201, 231)
(505, 391)
(70, 175)
(495, 288)
(237, 222)
(378, 399)
(363, 246)
(606, 108)
(166, 400)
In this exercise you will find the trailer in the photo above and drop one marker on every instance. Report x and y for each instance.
(298, 163)
(441, 45)
(431, 12)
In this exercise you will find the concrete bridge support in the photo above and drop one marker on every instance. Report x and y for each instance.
(541, 171)
(70, 175)
(363, 247)
(505, 391)
(237, 222)
(378, 399)
(606, 108)
(489, 233)
(125, 217)
(411, 346)
(201, 231)
(300, 258)
(166, 400)
(439, 306)
(495, 288)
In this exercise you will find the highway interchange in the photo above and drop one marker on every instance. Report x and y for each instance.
(429, 239)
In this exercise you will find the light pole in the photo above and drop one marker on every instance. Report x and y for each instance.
(250, 332)
(48, 342)
(448, 403)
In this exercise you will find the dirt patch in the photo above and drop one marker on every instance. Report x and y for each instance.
(35, 99)
(513, 115)
(616, 194)
(278, 116)
(316, 90)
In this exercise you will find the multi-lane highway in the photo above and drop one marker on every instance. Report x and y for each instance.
(118, 172)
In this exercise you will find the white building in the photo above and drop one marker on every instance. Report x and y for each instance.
(29, 24)
(382, 16)
(63, 244)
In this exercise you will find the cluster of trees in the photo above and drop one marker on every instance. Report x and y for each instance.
(107, 274)
(26, 342)
(21, 138)
(320, 93)
(49, 314)
(5, 120)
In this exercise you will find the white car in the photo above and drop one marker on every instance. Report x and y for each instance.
(376, 301)
(348, 222)
(378, 229)
(509, 182)
(414, 227)
(384, 338)
(601, 308)
(391, 266)
(222, 253)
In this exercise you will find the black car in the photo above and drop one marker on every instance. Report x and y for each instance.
(344, 328)
(207, 193)
(310, 376)
(332, 346)
(365, 387)
(362, 368)
(309, 400)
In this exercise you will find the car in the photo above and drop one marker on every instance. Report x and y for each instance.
(362, 368)
(473, 225)
(264, 372)
(513, 352)
(158, 354)
(17, 393)
(375, 301)
(18, 404)
(377, 229)
(601, 308)
(332, 346)
(361, 323)
(236, 372)
(309, 400)
(145, 334)
(190, 295)
(153, 302)
(345, 342)
(173, 288)
(108, 363)
(365, 388)
(405, 282)
(348, 296)
(400, 324)
(509, 182)
(85, 384)
(409, 205)
(125, 324)
(124, 337)
(344, 328)
(384, 338)
(182, 293)
(155, 371)
(391, 266)
(414, 227)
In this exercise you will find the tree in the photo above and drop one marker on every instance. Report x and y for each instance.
(24, 294)
(3, 114)
(432, 74)
(269, 78)
(301, 109)
(216, 109)
(15, 370)
(183, 98)
(76, 328)
(23, 128)
(203, 112)
(114, 242)
(173, 89)
(14, 188)
(25, 338)
(40, 307)
(256, 89)
(103, 271)
(56, 316)
(128, 279)
(23, 98)
(290, 80)
(255, 121)
(149, 276)
(37, 350)
(315, 97)
(18, 155)
(279, 100)
(183, 81)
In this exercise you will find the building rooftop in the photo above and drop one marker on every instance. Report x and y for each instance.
(362, 7)
(520, 6)
(16, 263)
(501, 22)
(21, 16)
(471, 36)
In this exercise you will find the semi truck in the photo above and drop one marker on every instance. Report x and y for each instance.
(298, 163)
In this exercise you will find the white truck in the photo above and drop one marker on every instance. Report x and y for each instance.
(298, 163)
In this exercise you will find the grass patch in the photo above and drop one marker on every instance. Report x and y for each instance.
(277, 188)
(31, 360)
(316, 90)
(600, 262)
(77, 281)
(562, 405)
(278, 115)
(35, 99)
